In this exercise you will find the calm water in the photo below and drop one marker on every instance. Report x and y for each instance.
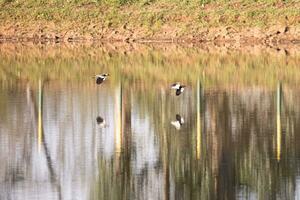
(63, 137)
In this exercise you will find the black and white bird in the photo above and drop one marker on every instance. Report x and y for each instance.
(100, 78)
(178, 122)
(178, 87)
(101, 122)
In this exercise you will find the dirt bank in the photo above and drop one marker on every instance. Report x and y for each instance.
(49, 32)
(235, 22)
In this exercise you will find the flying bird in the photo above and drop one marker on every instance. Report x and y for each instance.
(178, 88)
(100, 78)
(178, 122)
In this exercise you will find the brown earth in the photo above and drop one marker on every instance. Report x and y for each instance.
(91, 48)
(273, 36)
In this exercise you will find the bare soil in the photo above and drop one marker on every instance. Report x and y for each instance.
(273, 36)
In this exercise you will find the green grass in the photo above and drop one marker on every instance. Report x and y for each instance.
(148, 15)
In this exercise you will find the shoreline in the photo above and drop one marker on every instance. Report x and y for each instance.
(286, 48)
(275, 35)
(230, 22)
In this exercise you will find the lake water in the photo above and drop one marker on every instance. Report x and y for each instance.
(64, 137)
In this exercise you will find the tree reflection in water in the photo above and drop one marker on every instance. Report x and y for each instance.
(237, 141)
(228, 148)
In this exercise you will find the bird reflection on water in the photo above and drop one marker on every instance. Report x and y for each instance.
(178, 122)
(101, 122)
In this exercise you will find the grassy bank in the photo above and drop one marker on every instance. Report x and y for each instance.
(165, 19)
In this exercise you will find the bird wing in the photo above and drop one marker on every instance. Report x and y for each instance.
(178, 92)
(99, 80)
(175, 85)
(176, 124)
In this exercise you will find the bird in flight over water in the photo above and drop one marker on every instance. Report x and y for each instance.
(100, 78)
(178, 122)
(178, 87)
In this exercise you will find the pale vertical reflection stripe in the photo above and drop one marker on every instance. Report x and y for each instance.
(40, 116)
(278, 122)
(118, 118)
(198, 150)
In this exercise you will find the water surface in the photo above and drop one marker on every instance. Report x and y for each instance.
(64, 137)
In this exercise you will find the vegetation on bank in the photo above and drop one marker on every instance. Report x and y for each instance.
(147, 17)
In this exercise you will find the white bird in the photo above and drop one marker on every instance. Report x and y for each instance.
(178, 87)
(178, 122)
(100, 78)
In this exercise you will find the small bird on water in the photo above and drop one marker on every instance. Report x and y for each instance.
(100, 78)
(178, 122)
(178, 87)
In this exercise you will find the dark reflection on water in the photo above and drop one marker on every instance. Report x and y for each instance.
(230, 144)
